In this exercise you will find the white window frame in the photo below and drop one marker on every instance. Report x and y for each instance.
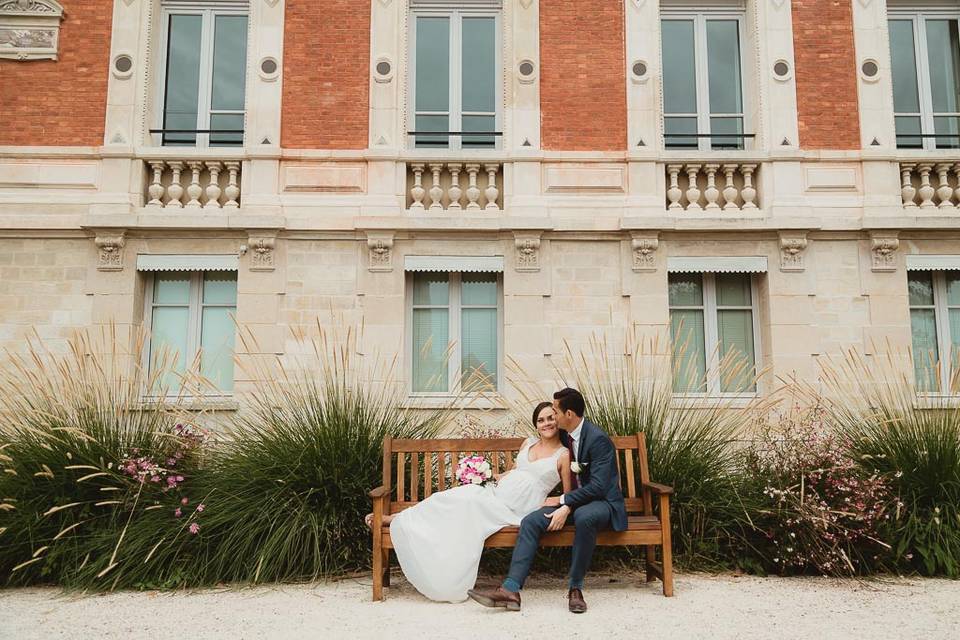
(918, 18)
(208, 10)
(702, 71)
(455, 13)
(195, 306)
(711, 336)
(455, 309)
(941, 314)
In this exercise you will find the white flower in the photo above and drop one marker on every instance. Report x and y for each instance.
(575, 467)
(476, 480)
(485, 467)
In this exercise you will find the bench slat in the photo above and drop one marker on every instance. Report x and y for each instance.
(414, 476)
(631, 483)
(401, 489)
(427, 474)
(442, 474)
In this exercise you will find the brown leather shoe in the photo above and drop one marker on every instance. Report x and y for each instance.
(498, 597)
(577, 603)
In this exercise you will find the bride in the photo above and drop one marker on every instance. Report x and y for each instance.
(439, 540)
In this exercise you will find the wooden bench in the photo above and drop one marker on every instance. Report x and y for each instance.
(413, 469)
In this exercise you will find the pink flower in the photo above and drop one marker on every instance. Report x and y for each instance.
(194, 528)
(179, 478)
(185, 501)
(171, 462)
(177, 513)
(200, 507)
(154, 478)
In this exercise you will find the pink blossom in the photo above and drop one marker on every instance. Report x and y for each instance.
(177, 513)
(184, 501)
(201, 507)
(194, 528)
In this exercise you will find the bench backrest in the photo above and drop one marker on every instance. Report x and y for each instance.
(416, 468)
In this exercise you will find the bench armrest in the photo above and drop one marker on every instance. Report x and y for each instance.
(659, 489)
(380, 492)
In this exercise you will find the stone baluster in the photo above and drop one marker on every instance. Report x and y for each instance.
(748, 193)
(194, 190)
(232, 192)
(473, 191)
(455, 191)
(711, 193)
(944, 190)
(213, 186)
(730, 191)
(417, 191)
(491, 192)
(673, 191)
(156, 189)
(175, 190)
(956, 174)
(907, 190)
(926, 189)
(436, 191)
(693, 192)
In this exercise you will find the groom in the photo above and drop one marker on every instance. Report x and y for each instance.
(596, 503)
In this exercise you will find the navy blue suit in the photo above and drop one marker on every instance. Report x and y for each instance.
(597, 504)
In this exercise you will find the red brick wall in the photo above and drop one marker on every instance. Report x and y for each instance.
(826, 73)
(61, 102)
(583, 95)
(326, 74)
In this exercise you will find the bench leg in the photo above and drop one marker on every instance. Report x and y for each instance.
(386, 567)
(377, 568)
(667, 552)
(650, 554)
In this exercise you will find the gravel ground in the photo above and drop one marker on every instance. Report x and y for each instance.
(705, 606)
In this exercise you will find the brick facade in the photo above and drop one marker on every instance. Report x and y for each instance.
(583, 96)
(826, 74)
(326, 74)
(61, 102)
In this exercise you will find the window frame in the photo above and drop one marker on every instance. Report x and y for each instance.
(941, 315)
(711, 337)
(208, 11)
(195, 307)
(701, 58)
(918, 18)
(455, 309)
(456, 14)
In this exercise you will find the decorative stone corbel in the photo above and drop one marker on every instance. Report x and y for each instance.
(110, 250)
(644, 245)
(380, 250)
(793, 247)
(262, 252)
(528, 251)
(883, 250)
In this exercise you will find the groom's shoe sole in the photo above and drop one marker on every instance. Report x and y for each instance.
(490, 602)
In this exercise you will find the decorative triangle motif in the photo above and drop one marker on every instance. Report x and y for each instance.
(265, 140)
(785, 143)
(641, 143)
(385, 3)
(117, 138)
(875, 143)
(524, 3)
(381, 141)
(639, 3)
(526, 142)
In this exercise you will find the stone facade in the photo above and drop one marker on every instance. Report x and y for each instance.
(324, 215)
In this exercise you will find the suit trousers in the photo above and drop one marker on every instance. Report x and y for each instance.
(588, 519)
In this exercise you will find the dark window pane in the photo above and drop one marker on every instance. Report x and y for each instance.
(433, 64)
(673, 128)
(479, 65)
(906, 126)
(229, 63)
(904, 67)
(679, 67)
(943, 50)
(479, 123)
(723, 62)
(947, 125)
(183, 78)
(432, 123)
(726, 125)
(226, 122)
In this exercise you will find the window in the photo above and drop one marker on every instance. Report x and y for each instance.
(713, 332)
(935, 325)
(925, 61)
(190, 312)
(455, 321)
(455, 79)
(203, 76)
(702, 80)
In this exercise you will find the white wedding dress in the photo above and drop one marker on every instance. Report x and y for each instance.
(438, 542)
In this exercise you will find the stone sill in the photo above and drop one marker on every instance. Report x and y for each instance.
(440, 401)
(199, 404)
(680, 401)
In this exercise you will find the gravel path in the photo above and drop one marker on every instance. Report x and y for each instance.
(623, 607)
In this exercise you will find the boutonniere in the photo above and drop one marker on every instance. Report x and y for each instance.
(578, 467)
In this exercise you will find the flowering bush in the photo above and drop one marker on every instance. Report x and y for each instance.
(474, 470)
(818, 511)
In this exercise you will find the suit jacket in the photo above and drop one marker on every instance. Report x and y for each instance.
(598, 478)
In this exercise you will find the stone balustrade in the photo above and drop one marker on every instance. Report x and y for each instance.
(930, 185)
(454, 186)
(193, 184)
(712, 187)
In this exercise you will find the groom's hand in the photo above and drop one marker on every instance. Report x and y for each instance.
(552, 502)
(557, 518)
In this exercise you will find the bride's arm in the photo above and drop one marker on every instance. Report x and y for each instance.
(566, 478)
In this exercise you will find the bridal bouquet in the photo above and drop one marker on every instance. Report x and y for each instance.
(474, 470)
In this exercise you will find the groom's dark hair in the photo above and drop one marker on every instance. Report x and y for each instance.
(570, 400)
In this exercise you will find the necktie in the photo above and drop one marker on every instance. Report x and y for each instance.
(573, 457)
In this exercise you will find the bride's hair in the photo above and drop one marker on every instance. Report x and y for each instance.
(536, 412)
